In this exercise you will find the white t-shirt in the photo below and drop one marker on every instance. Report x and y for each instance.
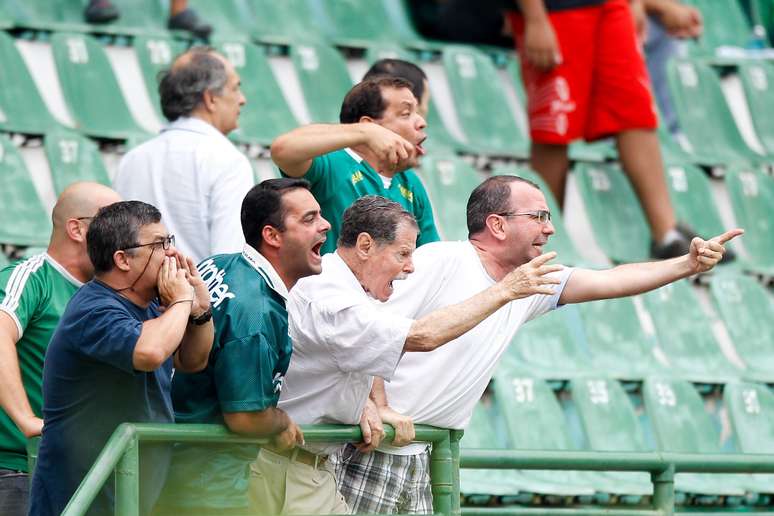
(342, 338)
(197, 179)
(441, 387)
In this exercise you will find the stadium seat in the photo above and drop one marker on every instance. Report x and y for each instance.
(535, 421)
(751, 409)
(25, 221)
(617, 342)
(704, 115)
(560, 241)
(746, 310)
(758, 81)
(73, 157)
(91, 89)
(282, 22)
(551, 347)
(266, 114)
(681, 424)
(481, 104)
(324, 79)
(752, 197)
(21, 107)
(155, 54)
(449, 181)
(614, 211)
(673, 154)
(724, 25)
(687, 339)
(232, 19)
(351, 23)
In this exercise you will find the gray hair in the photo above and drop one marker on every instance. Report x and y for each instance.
(491, 196)
(375, 215)
(182, 87)
(115, 227)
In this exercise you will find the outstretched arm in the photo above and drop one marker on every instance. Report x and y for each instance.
(636, 278)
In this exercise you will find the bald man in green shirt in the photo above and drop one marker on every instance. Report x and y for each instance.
(370, 153)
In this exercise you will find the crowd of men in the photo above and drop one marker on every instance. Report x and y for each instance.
(324, 296)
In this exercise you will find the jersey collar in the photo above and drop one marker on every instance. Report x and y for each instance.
(354, 155)
(61, 270)
(265, 269)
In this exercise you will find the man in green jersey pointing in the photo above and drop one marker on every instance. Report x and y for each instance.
(33, 295)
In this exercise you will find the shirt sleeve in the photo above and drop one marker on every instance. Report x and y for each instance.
(543, 303)
(107, 334)
(226, 197)
(244, 374)
(20, 294)
(321, 176)
(364, 339)
(423, 211)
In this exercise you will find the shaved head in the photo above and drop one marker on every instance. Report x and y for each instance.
(81, 200)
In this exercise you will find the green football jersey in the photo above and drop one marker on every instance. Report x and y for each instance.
(34, 293)
(341, 177)
(247, 365)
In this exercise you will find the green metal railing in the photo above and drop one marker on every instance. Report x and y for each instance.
(121, 453)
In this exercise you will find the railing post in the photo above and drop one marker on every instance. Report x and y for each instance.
(664, 490)
(455, 436)
(127, 501)
(441, 477)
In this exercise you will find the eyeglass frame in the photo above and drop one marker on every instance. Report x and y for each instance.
(165, 244)
(537, 214)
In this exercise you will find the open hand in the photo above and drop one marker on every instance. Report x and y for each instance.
(532, 278)
(705, 254)
(201, 295)
(172, 283)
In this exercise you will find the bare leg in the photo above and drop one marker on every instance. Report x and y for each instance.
(551, 162)
(640, 156)
(177, 6)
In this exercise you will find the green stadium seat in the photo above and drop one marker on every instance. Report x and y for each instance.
(686, 339)
(91, 89)
(25, 221)
(746, 310)
(351, 23)
(282, 22)
(21, 107)
(322, 72)
(751, 410)
(673, 154)
(724, 25)
(560, 241)
(681, 424)
(155, 54)
(752, 197)
(266, 114)
(614, 211)
(449, 181)
(535, 421)
(232, 19)
(704, 115)
(73, 157)
(482, 107)
(402, 28)
(551, 347)
(757, 81)
(617, 342)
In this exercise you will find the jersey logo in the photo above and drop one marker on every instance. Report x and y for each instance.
(357, 177)
(213, 278)
(405, 192)
(278, 380)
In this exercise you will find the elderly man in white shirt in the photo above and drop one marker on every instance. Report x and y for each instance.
(508, 224)
(342, 339)
(191, 171)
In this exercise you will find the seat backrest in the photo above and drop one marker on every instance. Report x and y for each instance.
(90, 87)
(746, 308)
(155, 55)
(283, 22)
(751, 408)
(73, 157)
(449, 181)
(757, 81)
(614, 211)
(352, 22)
(482, 108)
(680, 422)
(607, 415)
(752, 197)
(691, 195)
(24, 219)
(232, 19)
(324, 79)
(724, 24)
(266, 114)
(21, 106)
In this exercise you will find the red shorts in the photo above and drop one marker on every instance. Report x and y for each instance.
(602, 86)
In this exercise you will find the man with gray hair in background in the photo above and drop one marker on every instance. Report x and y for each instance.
(191, 171)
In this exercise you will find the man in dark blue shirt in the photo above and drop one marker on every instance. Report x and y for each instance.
(111, 357)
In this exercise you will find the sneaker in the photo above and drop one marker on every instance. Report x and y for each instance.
(189, 20)
(682, 246)
(100, 11)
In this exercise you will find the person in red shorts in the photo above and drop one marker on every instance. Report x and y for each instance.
(585, 77)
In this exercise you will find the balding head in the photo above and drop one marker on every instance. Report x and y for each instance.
(182, 87)
(81, 201)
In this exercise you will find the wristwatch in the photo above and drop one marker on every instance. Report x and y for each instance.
(202, 319)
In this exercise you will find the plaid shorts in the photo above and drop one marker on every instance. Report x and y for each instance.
(383, 483)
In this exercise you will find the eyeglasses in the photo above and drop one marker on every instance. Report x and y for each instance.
(168, 242)
(542, 216)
